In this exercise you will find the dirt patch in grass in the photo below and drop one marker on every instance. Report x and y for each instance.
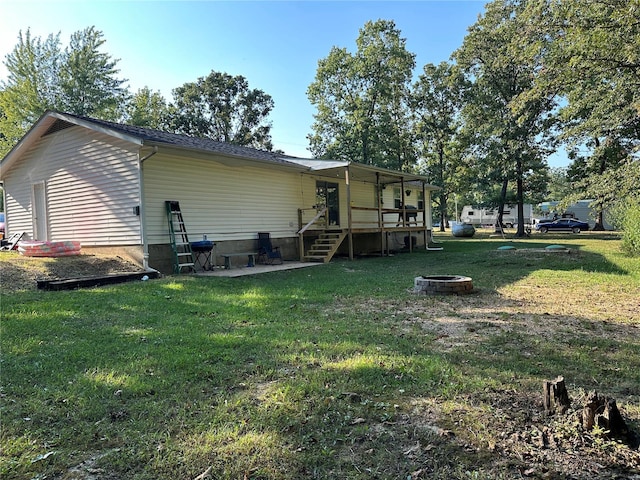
(18, 272)
(501, 431)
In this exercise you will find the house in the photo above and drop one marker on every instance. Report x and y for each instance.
(106, 185)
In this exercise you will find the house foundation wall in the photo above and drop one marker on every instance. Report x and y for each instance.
(130, 253)
(161, 256)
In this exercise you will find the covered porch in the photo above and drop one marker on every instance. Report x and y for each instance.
(362, 207)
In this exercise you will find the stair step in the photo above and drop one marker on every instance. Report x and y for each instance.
(316, 258)
(325, 246)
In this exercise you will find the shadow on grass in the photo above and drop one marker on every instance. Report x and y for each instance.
(285, 375)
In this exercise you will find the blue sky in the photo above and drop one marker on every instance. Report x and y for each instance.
(275, 45)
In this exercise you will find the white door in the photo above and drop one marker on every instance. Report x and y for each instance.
(40, 227)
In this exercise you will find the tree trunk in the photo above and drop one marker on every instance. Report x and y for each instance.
(599, 226)
(555, 396)
(503, 198)
(604, 413)
(443, 194)
(520, 197)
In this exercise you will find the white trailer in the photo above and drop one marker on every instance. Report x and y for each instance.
(489, 216)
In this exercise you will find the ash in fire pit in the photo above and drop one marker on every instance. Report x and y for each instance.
(442, 285)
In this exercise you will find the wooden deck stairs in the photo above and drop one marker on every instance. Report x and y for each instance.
(325, 246)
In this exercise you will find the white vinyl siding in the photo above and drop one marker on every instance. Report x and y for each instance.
(364, 195)
(225, 202)
(91, 185)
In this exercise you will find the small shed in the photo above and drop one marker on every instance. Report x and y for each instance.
(106, 185)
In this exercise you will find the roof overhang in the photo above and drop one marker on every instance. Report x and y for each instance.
(363, 173)
(41, 127)
(225, 158)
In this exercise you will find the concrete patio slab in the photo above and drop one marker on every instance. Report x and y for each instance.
(258, 269)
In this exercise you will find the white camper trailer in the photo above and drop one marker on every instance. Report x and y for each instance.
(489, 216)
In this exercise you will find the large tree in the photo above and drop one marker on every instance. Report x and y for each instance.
(362, 100)
(514, 139)
(436, 105)
(223, 107)
(88, 78)
(147, 109)
(32, 86)
(80, 79)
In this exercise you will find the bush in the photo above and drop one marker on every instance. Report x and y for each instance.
(631, 230)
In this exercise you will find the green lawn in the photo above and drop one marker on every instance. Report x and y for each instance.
(336, 371)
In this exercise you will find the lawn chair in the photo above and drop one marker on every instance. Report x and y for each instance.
(266, 252)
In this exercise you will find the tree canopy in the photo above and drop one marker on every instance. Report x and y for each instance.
(436, 104)
(223, 107)
(589, 54)
(362, 100)
(81, 79)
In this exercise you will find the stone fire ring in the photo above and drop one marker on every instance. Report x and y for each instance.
(442, 285)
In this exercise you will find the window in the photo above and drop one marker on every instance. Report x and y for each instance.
(397, 197)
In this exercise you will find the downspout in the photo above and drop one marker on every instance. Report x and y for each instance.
(143, 232)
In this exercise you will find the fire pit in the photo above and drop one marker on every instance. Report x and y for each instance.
(442, 285)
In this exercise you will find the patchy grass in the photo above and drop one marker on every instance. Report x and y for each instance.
(333, 372)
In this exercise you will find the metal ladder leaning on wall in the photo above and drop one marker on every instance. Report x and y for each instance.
(183, 256)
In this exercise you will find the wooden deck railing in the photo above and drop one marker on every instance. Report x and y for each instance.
(321, 214)
(403, 219)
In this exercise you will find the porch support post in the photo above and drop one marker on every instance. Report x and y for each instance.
(424, 214)
(404, 214)
(380, 226)
(349, 213)
(301, 246)
(300, 236)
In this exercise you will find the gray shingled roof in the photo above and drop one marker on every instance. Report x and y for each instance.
(151, 136)
(52, 121)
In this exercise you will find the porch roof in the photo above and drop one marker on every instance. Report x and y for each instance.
(361, 172)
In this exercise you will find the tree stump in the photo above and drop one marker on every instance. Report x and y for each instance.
(603, 411)
(555, 396)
